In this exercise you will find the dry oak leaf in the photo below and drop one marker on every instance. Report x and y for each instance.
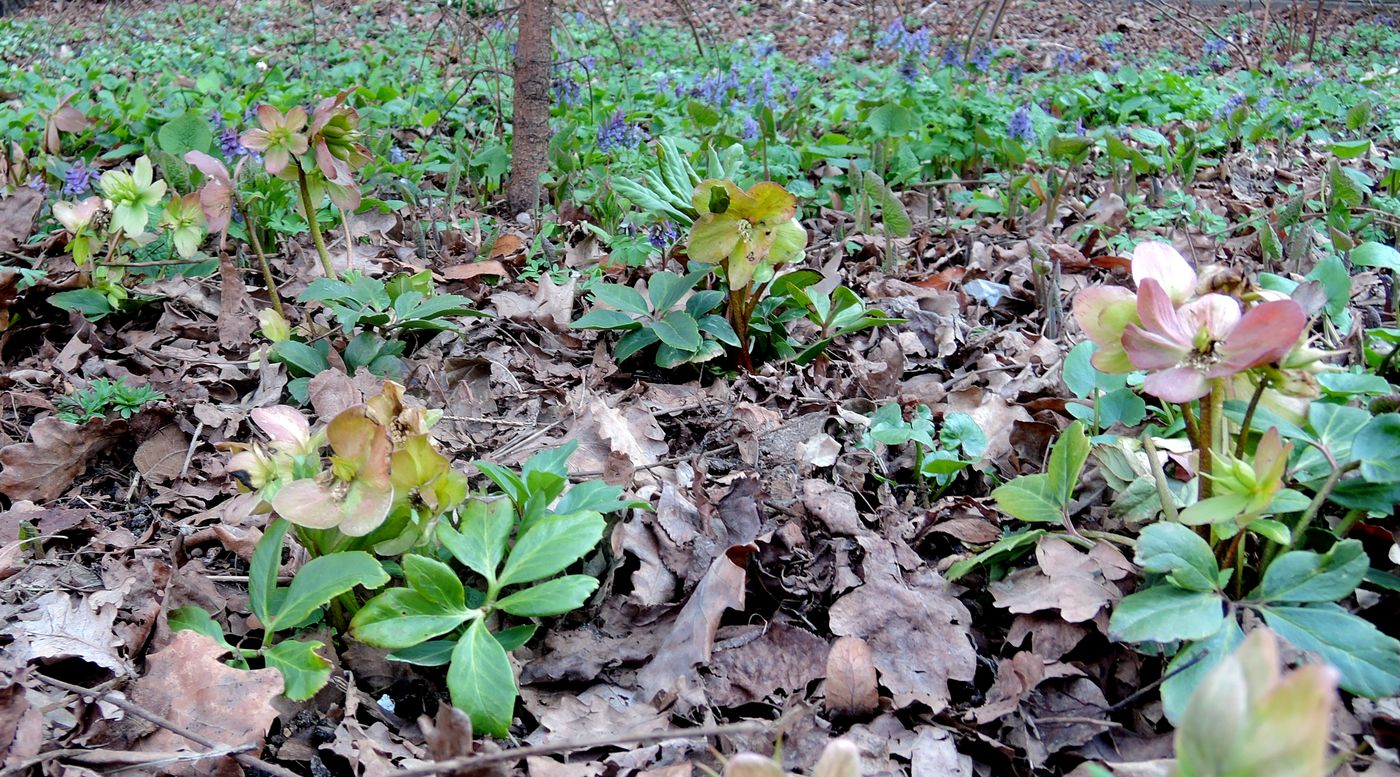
(785, 658)
(692, 635)
(852, 688)
(916, 628)
(1077, 584)
(161, 458)
(188, 685)
(42, 469)
(64, 626)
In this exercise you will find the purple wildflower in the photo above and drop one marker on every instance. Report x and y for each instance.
(1109, 47)
(1067, 57)
(230, 145)
(1019, 127)
(909, 69)
(952, 57)
(750, 131)
(1231, 105)
(823, 60)
(37, 183)
(662, 235)
(567, 92)
(1015, 73)
(216, 117)
(619, 133)
(982, 58)
(1215, 47)
(838, 40)
(77, 180)
(1295, 122)
(396, 155)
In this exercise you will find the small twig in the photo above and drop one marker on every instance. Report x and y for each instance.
(1146, 689)
(466, 762)
(144, 714)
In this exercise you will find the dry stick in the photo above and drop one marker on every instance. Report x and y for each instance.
(996, 21)
(465, 762)
(694, 33)
(175, 728)
(1312, 33)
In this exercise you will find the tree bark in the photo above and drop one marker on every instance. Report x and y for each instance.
(529, 148)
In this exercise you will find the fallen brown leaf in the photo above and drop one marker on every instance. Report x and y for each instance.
(851, 685)
(43, 468)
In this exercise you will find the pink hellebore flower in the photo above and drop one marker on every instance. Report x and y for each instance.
(288, 433)
(217, 195)
(1184, 348)
(280, 138)
(1103, 312)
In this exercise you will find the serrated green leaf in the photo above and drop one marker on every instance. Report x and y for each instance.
(552, 597)
(1165, 613)
(1305, 576)
(1170, 548)
(481, 681)
(400, 618)
(1368, 660)
(481, 543)
(304, 672)
(322, 579)
(679, 331)
(434, 580)
(553, 543)
(262, 570)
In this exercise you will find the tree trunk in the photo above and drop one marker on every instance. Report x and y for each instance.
(529, 149)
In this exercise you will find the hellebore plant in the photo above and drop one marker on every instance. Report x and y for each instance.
(130, 196)
(320, 158)
(219, 199)
(747, 235)
(1191, 346)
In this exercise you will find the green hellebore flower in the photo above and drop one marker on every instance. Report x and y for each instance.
(748, 233)
(131, 194)
(184, 219)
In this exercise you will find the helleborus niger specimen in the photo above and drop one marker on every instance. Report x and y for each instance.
(747, 235)
(79, 220)
(354, 495)
(183, 219)
(1249, 719)
(131, 195)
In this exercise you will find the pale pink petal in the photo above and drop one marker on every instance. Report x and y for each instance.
(1150, 351)
(1103, 312)
(1159, 316)
(255, 139)
(364, 509)
(296, 119)
(1217, 314)
(1178, 384)
(307, 503)
(269, 117)
(1162, 263)
(276, 160)
(210, 166)
(283, 423)
(1266, 334)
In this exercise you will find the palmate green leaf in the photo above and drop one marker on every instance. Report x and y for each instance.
(1377, 447)
(666, 288)
(1305, 576)
(1165, 613)
(304, 672)
(1173, 549)
(605, 319)
(553, 543)
(1206, 655)
(186, 132)
(197, 619)
(552, 597)
(679, 331)
(480, 545)
(1372, 254)
(400, 618)
(1007, 548)
(1031, 498)
(434, 652)
(624, 298)
(1067, 461)
(434, 580)
(481, 681)
(262, 571)
(1368, 660)
(322, 579)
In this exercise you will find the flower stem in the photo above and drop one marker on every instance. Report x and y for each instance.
(1159, 476)
(1205, 441)
(1315, 505)
(256, 243)
(1249, 415)
(310, 210)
